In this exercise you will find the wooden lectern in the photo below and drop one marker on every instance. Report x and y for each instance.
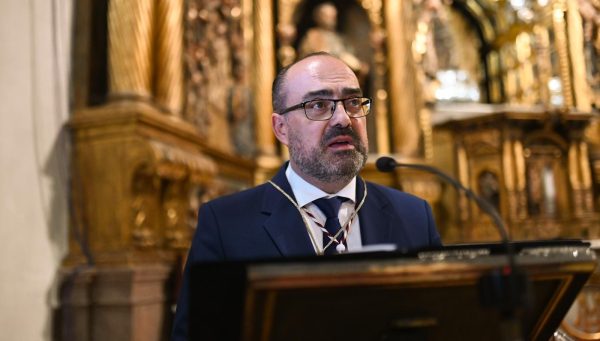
(428, 295)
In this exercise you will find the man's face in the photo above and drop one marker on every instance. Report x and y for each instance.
(326, 151)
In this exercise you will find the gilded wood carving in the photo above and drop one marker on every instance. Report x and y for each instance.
(218, 89)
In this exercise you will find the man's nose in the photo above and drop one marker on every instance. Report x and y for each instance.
(340, 116)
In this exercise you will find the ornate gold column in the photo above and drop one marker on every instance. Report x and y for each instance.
(562, 49)
(264, 73)
(508, 168)
(168, 81)
(405, 123)
(381, 95)
(575, 33)
(586, 177)
(130, 24)
(520, 178)
(464, 212)
(575, 178)
(513, 172)
(580, 178)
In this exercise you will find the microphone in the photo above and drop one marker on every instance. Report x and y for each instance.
(507, 289)
(388, 164)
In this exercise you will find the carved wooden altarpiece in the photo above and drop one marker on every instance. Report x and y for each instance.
(149, 147)
(532, 165)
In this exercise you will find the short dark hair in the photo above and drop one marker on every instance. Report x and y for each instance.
(277, 92)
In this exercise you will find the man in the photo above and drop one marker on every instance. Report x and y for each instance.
(320, 115)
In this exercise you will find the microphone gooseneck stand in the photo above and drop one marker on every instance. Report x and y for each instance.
(506, 288)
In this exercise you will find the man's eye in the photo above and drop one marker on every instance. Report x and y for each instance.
(317, 105)
(353, 102)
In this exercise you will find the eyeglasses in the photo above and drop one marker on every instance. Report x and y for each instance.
(323, 109)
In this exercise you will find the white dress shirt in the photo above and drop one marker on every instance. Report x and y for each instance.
(305, 194)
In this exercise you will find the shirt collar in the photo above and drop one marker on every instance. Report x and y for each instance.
(306, 193)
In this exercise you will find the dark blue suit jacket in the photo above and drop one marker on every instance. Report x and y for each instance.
(261, 223)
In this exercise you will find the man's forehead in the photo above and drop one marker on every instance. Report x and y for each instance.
(322, 64)
(329, 93)
(311, 74)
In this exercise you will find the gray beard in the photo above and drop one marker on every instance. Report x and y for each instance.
(327, 167)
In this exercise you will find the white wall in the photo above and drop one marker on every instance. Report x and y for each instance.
(34, 66)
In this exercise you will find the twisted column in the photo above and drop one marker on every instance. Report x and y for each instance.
(168, 82)
(405, 123)
(562, 49)
(264, 59)
(130, 24)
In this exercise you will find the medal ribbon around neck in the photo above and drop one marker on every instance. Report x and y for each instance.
(345, 229)
(332, 238)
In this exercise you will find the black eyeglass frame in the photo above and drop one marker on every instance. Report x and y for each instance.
(335, 102)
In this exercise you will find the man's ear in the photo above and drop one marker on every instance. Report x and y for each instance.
(280, 128)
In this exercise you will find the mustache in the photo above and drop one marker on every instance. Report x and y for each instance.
(341, 131)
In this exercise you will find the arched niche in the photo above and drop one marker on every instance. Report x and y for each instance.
(360, 26)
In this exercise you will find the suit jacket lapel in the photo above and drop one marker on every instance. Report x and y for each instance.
(285, 225)
(377, 219)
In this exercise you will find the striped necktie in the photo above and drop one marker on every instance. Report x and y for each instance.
(331, 208)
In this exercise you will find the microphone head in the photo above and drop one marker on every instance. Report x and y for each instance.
(385, 164)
